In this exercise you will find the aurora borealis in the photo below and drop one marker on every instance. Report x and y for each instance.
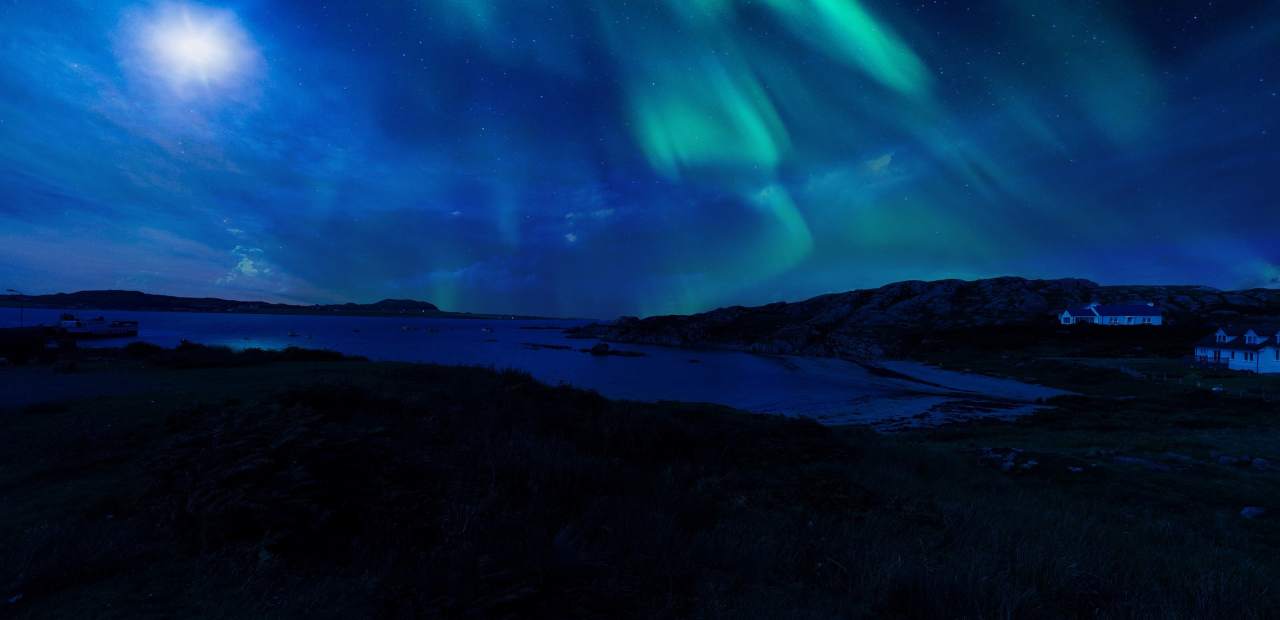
(633, 156)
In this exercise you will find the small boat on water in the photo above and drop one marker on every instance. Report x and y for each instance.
(98, 327)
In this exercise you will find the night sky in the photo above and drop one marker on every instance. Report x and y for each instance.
(593, 158)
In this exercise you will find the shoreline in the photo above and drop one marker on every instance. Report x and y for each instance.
(894, 398)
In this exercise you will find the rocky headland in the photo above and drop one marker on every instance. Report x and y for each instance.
(874, 322)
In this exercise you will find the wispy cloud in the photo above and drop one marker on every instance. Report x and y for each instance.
(880, 164)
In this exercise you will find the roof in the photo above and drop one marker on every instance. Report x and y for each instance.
(1116, 310)
(1270, 339)
(1238, 344)
(1081, 311)
(1261, 330)
(1127, 310)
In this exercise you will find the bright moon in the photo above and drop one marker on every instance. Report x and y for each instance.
(189, 44)
(199, 52)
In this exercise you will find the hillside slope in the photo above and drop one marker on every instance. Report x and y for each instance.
(139, 301)
(870, 322)
(279, 485)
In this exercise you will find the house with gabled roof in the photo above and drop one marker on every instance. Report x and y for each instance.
(1113, 315)
(1249, 348)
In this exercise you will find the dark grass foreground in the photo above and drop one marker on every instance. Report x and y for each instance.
(321, 489)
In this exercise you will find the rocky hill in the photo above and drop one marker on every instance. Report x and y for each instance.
(868, 322)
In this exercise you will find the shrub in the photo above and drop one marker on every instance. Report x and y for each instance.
(142, 350)
(22, 345)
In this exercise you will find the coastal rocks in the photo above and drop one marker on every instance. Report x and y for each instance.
(1141, 462)
(539, 346)
(1004, 459)
(66, 366)
(1169, 461)
(1044, 466)
(1242, 461)
(602, 349)
(1007, 460)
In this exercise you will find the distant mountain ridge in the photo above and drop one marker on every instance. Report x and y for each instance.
(864, 323)
(139, 301)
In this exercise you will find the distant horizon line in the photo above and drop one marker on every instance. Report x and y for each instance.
(12, 293)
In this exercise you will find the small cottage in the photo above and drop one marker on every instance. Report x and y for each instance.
(1252, 349)
(1113, 314)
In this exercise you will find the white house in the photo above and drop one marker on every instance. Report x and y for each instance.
(1112, 314)
(1252, 349)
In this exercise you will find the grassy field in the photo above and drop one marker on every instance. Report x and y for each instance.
(1138, 394)
(291, 485)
